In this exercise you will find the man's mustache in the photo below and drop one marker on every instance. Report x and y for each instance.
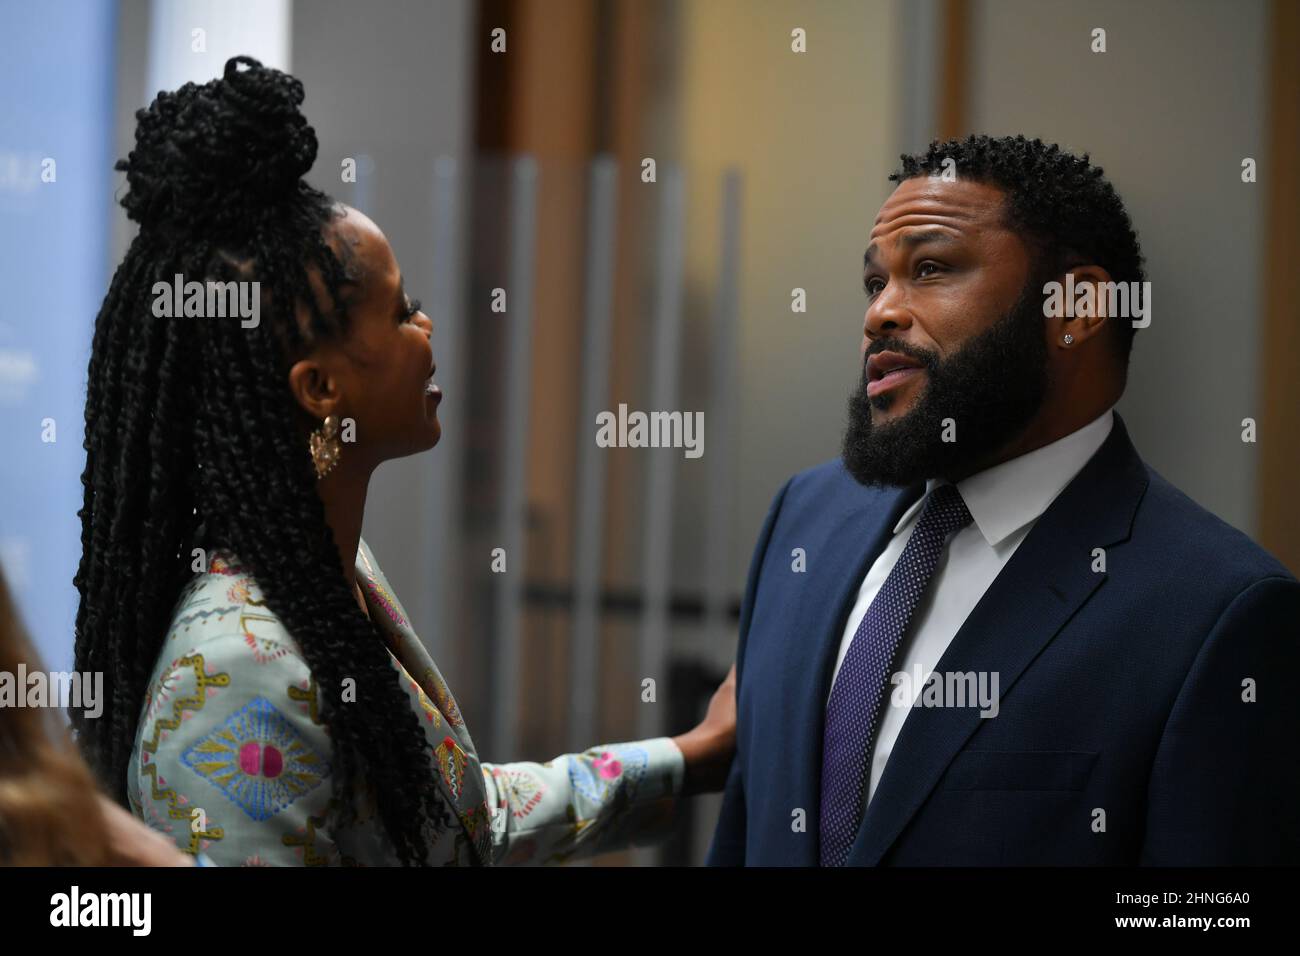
(929, 360)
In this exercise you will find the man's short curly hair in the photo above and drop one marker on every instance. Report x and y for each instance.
(1059, 203)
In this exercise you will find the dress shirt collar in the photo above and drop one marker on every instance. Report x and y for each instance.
(1005, 498)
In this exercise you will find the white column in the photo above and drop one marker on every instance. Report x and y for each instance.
(190, 40)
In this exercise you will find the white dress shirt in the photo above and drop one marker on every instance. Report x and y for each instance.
(1005, 502)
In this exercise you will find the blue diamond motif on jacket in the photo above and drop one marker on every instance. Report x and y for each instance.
(258, 760)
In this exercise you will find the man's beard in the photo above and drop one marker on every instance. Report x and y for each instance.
(991, 389)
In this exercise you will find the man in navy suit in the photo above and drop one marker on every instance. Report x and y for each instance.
(989, 634)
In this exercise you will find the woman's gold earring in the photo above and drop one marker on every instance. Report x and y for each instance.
(325, 446)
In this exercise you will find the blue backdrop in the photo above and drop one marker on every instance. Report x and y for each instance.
(56, 102)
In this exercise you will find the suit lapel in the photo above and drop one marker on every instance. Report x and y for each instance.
(460, 773)
(1046, 581)
(855, 543)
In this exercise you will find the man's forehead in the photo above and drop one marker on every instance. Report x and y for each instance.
(960, 206)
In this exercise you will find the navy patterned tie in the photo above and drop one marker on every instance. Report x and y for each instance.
(854, 711)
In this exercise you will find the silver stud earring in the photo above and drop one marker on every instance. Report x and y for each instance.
(1068, 340)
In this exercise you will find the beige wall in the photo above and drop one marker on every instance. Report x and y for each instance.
(1168, 111)
(814, 136)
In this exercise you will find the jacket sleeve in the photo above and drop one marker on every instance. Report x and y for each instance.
(229, 758)
(728, 847)
(1224, 781)
(607, 798)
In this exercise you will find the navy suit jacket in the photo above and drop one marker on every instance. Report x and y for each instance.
(1122, 736)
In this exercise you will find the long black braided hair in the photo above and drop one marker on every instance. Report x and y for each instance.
(193, 438)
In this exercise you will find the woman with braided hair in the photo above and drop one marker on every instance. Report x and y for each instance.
(267, 699)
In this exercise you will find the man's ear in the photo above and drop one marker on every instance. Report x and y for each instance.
(314, 388)
(1090, 304)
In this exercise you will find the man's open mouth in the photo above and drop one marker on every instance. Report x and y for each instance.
(887, 370)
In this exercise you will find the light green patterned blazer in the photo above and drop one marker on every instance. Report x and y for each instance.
(232, 760)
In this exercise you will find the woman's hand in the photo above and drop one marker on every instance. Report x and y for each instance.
(131, 843)
(708, 747)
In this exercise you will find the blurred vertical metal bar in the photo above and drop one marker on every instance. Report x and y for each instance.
(920, 26)
(590, 501)
(953, 107)
(665, 359)
(1277, 517)
(441, 471)
(721, 425)
(512, 527)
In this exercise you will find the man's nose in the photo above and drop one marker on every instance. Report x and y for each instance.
(887, 313)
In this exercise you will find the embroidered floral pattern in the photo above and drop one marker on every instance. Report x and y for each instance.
(451, 764)
(594, 778)
(247, 729)
(523, 789)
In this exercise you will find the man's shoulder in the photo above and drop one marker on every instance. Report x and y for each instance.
(829, 474)
(1176, 529)
(829, 488)
(1187, 535)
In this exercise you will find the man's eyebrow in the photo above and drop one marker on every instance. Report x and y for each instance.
(913, 239)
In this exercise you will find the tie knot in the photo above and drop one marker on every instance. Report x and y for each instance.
(946, 511)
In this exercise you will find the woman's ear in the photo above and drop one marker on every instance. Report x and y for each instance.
(315, 388)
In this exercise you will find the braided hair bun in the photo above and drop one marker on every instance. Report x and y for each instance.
(211, 157)
(193, 438)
